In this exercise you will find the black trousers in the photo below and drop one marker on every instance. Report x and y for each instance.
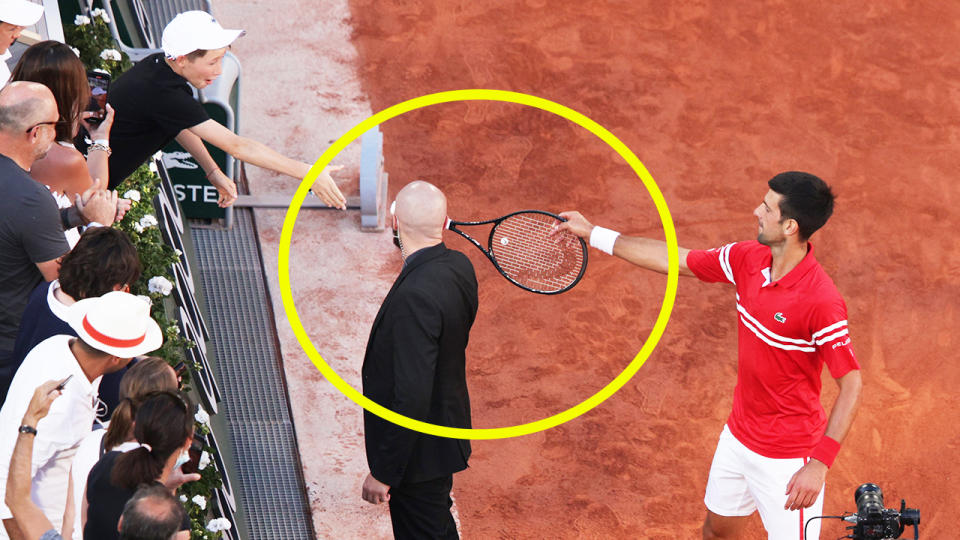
(422, 510)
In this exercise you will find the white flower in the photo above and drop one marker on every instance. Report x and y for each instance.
(132, 195)
(111, 54)
(219, 524)
(81, 20)
(152, 166)
(202, 416)
(200, 501)
(102, 13)
(138, 227)
(148, 221)
(204, 460)
(160, 284)
(76, 51)
(183, 498)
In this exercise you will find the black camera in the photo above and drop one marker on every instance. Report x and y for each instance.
(874, 522)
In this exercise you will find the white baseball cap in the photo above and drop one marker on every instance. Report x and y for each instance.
(20, 12)
(195, 30)
(116, 323)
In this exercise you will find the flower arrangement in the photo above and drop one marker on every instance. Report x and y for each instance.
(90, 37)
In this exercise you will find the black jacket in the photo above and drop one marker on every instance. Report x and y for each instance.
(415, 365)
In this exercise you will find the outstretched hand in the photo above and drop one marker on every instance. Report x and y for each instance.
(325, 188)
(226, 187)
(575, 224)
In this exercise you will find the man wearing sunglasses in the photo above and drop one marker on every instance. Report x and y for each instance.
(31, 225)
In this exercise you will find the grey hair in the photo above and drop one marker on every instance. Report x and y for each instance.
(18, 116)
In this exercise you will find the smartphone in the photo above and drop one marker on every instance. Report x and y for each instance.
(63, 383)
(99, 87)
(196, 449)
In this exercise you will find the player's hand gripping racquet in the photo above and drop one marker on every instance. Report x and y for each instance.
(523, 249)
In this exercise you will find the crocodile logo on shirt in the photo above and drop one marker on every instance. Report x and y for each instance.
(779, 317)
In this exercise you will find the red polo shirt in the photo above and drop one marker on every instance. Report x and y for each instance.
(788, 329)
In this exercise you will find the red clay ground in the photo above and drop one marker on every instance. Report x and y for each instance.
(714, 99)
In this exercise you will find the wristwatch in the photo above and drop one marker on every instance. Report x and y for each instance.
(28, 429)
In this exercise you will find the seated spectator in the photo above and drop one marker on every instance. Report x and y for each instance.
(147, 376)
(112, 329)
(31, 227)
(155, 106)
(103, 260)
(164, 430)
(15, 16)
(64, 170)
(151, 514)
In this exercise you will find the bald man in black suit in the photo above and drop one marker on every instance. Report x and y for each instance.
(415, 366)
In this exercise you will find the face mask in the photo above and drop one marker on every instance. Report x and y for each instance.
(182, 458)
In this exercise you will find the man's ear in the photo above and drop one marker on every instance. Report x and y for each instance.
(120, 523)
(791, 227)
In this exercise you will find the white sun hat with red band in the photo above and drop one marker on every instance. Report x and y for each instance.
(116, 323)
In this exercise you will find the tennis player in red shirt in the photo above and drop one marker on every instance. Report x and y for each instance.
(778, 443)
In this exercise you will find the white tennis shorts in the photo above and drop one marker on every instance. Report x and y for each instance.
(742, 481)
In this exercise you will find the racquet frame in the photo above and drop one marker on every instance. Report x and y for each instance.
(488, 251)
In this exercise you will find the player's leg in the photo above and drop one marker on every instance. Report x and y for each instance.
(768, 479)
(727, 497)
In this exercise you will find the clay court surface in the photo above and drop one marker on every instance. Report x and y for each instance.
(714, 99)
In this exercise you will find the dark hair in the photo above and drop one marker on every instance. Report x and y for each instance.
(151, 514)
(102, 259)
(199, 53)
(55, 66)
(806, 199)
(149, 375)
(164, 423)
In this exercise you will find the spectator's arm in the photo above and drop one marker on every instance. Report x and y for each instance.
(259, 154)
(66, 529)
(50, 270)
(225, 186)
(30, 519)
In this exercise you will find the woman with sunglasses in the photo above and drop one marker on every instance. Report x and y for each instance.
(64, 169)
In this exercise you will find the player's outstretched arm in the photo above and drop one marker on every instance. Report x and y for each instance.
(644, 252)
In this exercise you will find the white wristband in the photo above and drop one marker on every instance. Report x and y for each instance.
(105, 142)
(603, 239)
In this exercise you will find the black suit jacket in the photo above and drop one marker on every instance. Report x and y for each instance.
(415, 365)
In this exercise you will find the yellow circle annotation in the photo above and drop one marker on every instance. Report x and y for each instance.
(479, 95)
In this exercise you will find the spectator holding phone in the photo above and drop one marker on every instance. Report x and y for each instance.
(31, 226)
(15, 15)
(64, 170)
(112, 329)
(150, 514)
(147, 377)
(164, 430)
(155, 105)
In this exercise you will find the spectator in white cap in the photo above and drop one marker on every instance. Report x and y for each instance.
(155, 105)
(15, 16)
(112, 329)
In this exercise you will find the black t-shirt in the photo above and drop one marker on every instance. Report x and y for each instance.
(30, 232)
(105, 502)
(153, 105)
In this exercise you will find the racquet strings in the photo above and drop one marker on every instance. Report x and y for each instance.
(526, 252)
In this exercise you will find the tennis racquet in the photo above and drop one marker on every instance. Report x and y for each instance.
(522, 248)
